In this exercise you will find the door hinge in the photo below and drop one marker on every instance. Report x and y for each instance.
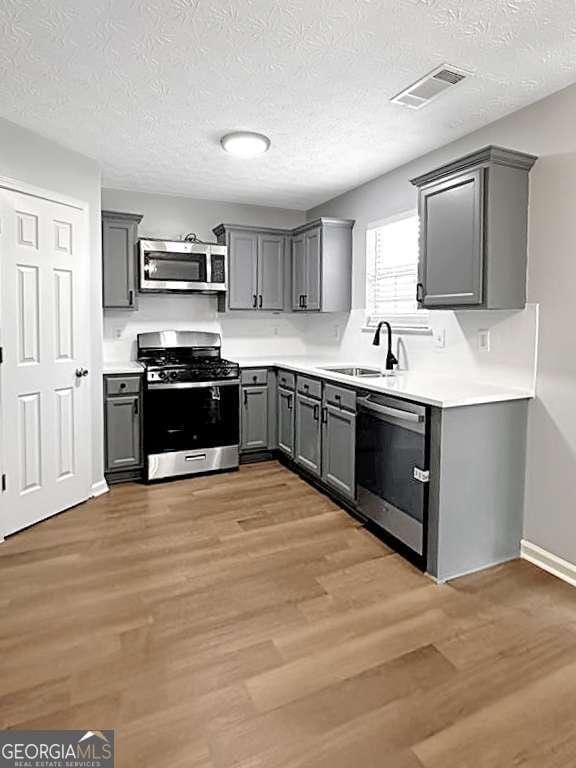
(422, 475)
(1, 355)
(3, 483)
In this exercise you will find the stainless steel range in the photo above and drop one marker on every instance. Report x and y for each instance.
(191, 404)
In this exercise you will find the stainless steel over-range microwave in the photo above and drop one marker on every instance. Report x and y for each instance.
(180, 265)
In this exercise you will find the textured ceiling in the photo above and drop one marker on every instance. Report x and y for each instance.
(148, 86)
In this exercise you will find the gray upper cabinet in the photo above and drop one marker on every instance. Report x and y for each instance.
(271, 249)
(119, 276)
(298, 271)
(254, 418)
(339, 449)
(305, 269)
(308, 434)
(454, 217)
(243, 270)
(257, 269)
(285, 414)
(473, 231)
(322, 266)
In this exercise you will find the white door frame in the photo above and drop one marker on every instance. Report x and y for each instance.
(16, 185)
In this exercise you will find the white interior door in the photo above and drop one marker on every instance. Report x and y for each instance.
(44, 319)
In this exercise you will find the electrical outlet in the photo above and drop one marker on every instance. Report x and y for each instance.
(118, 331)
(336, 331)
(439, 337)
(484, 340)
(275, 330)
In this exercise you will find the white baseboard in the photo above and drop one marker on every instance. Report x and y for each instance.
(548, 562)
(99, 488)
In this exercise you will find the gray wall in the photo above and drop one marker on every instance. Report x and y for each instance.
(545, 129)
(174, 216)
(27, 157)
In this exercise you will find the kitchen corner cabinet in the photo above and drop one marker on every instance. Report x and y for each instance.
(322, 266)
(119, 273)
(123, 426)
(473, 231)
(257, 268)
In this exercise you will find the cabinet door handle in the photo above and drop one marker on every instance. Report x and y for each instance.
(301, 304)
(136, 407)
(260, 301)
(305, 304)
(289, 402)
(324, 415)
(130, 298)
(254, 301)
(245, 397)
(316, 412)
(419, 293)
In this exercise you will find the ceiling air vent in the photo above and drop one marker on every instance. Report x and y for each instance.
(430, 86)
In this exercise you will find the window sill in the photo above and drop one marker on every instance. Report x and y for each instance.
(403, 330)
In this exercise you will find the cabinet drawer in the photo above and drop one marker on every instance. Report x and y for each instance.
(255, 376)
(286, 379)
(343, 398)
(122, 385)
(310, 387)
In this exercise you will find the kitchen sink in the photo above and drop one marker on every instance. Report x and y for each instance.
(350, 371)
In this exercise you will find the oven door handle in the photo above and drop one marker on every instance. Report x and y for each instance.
(386, 410)
(153, 387)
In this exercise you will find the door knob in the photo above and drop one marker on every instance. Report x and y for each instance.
(81, 372)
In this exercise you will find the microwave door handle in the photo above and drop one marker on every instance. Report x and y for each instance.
(386, 410)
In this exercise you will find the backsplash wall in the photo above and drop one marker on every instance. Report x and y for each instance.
(511, 358)
(243, 334)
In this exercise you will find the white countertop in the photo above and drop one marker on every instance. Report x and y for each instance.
(122, 366)
(423, 387)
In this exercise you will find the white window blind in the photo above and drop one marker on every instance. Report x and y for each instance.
(392, 273)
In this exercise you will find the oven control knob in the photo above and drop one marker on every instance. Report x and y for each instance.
(162, 375)
(173, 375)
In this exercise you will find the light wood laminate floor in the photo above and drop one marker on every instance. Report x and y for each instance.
(245, 620)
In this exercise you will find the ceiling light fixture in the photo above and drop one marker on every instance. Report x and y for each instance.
(245, 143)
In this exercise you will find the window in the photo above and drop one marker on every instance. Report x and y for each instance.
(392, 273)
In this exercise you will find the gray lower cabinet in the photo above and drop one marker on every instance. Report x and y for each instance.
(285, 414)
(254, 418)
(473, 231)
(119, 273)
(308, 434)
(123, 424)
(339, 449)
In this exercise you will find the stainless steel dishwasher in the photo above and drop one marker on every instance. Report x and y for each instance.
(392, 470)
